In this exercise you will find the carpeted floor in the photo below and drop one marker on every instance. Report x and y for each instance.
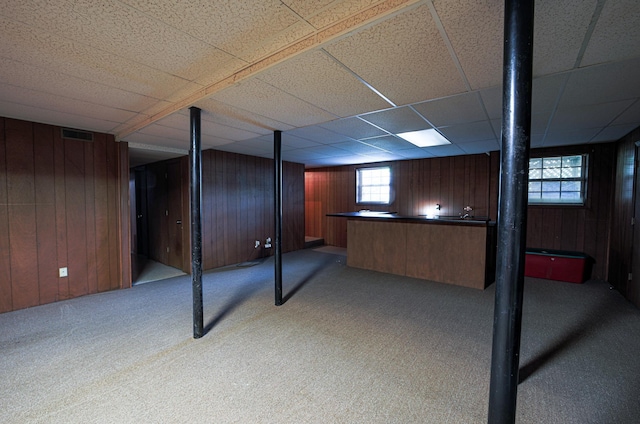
(348, 346)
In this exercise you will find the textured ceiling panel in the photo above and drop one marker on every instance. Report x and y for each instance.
(216, 111)
(316, 78)
(321, 13)
(472, 131)
(630, 115)
(422, 69)
(398, 120)
(588, 116)
(19, 95)
(266, 100)
(559, 30)
(389, 143)
(356, 147)
(477, 147)
(452, 110)
(603, 83)
(617, 33)
(54, 117)
(353, 128)
(567, 138)
(613, 133)
(292, 142)
(40, 79)
(448, 150)
(476, 34)
(118, 28)
(318, 134)
(23, 44)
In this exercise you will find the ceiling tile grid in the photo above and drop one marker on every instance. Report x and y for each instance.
(616, 35)
(318, 79)
(421, 69)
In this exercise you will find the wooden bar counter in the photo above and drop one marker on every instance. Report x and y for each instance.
(447, 250)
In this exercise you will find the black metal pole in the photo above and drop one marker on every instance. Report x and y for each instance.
(195, 159)
(277, 160)
(512, 209)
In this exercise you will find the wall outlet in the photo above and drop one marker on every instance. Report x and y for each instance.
(63, 272)
(257, 244)
(267, 244)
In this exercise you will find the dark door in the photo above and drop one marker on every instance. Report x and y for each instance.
(633, 291)
(174, 215)
(141, 223)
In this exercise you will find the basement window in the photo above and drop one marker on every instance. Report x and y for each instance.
(373, 185)
(558, 180)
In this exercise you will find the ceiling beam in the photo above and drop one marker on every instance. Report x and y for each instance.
(374, 14)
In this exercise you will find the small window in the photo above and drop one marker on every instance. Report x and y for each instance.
(373, 185)
(558, 180)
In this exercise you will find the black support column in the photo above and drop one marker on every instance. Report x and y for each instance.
(195, 159)
(277, 162)
(512, 210)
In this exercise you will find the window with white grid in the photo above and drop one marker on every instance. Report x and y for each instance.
(373, 185)
(557, 179)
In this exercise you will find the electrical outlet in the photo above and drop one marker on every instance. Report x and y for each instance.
(267, 244)
(63, 272)
(257, 244)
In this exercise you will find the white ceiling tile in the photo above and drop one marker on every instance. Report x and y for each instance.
(422, 69)
(414, 153)
(613, 133)
(221, 113)
(477, 147)
(157, 140)
(616, 35)
(566, 138)
(448, 150)
(318, 134)
(397, 120)
(318, 79)
(232, 26)
(630, 116)
(559, 30)
(54, 117)
(476, 34)
(472, 131)
(292, 141)
(587, 116)
(492, 100)
(264, 99)
(356, 147)
(25, 96)
(353, 127)
(452, 110)
(602, 83)
(389, 143)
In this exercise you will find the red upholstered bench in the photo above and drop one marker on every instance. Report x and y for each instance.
(560, 265)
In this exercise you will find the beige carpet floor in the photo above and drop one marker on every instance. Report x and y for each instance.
(348, 346)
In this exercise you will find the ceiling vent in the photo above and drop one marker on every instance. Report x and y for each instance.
(77, 134)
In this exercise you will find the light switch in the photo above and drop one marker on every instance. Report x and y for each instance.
(63, 272)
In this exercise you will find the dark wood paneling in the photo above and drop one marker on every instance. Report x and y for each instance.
(238, 206)
(22, 214)
(58, 192)
(6, 300)
(74, 177)
(46, 213)
(622, 248)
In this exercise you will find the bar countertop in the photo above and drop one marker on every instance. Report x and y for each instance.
(392, 216)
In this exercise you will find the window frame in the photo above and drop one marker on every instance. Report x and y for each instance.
(359, 186)
(583, 179)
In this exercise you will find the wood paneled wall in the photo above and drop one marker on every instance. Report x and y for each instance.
(453, 182)
(456, 182)
(579, 228)
(60, 206)
(237, 208)
(622, 231)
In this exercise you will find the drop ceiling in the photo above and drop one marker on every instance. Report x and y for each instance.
(339, 78)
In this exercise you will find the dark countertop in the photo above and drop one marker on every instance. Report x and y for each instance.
(392, 216)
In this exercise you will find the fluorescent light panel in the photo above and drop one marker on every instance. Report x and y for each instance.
(424, 138)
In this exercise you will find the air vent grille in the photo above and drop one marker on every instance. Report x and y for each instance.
(77, 134)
